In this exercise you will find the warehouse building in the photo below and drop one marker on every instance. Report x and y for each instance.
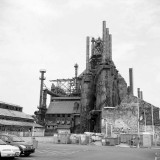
(14, 121)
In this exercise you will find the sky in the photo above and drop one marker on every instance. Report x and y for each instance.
(51, 35)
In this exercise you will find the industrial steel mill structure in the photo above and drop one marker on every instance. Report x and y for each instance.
(76, 104)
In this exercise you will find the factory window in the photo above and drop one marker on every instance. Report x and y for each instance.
(58, 115)
(63, 115)
(68, 115)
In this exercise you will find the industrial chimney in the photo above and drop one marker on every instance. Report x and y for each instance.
(141, 92)
(110, 46)
(138, 92)
(42, 78)
(104, 42)
(87, 54)
(131, 81)
(76, 75)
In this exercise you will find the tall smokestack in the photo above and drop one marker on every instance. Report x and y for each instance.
(141, 93)
(110, 46)
(107, 44)
(92, 47)
(104, 42)
(76, 75)
(42, 78)
(138, 92)
(131, 81)
(87, 54)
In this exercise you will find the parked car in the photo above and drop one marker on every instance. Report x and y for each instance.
(8, 150)
(25, 148)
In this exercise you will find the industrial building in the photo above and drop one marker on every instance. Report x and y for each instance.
(98, 100)
(14, 121)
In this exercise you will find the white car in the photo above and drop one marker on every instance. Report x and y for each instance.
(8, 150)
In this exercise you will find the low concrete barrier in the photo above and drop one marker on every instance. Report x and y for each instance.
(39, 139)
(82, 139)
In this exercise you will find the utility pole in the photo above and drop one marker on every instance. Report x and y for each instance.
(138, 123)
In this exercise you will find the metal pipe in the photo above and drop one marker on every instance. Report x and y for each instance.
(87, 54)
(131, 80)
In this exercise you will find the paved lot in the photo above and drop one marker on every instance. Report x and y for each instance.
(49, 151)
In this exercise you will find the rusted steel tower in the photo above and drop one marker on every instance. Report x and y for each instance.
(100, 83)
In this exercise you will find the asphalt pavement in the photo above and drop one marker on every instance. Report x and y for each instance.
(50, 151)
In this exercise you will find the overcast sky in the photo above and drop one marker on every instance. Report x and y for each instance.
(51, 35)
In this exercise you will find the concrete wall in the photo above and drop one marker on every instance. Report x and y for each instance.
(122, 119)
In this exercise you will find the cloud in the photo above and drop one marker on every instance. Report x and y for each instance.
(147, 19)
(122, 51)
(126, 51)
(77, 4)
(34, 8)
